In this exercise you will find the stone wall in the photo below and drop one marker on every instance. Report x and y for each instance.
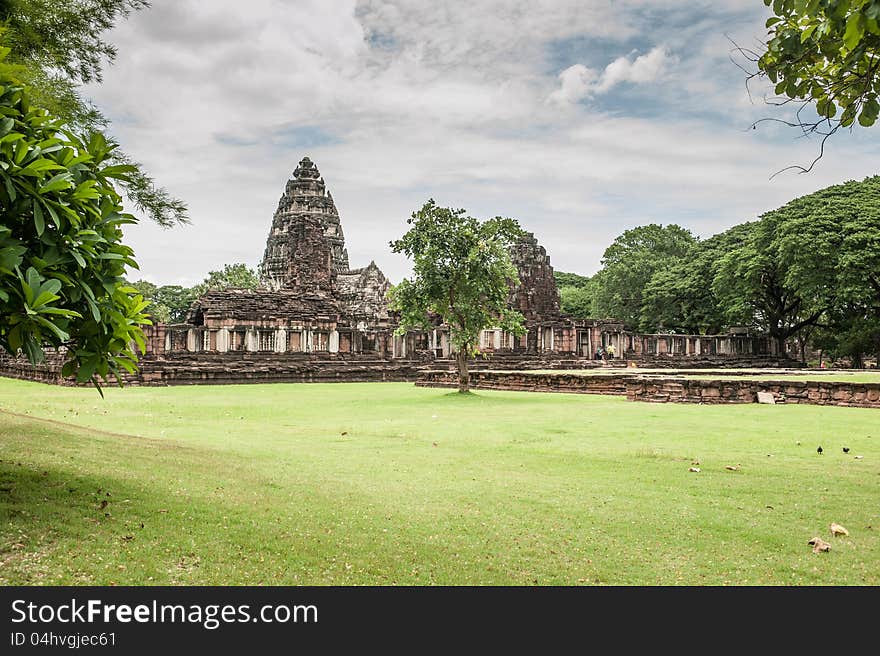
(531, 382)
(818, 392)
(48, 371)
(663, 390)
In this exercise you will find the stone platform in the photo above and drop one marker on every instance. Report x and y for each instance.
(684, 388)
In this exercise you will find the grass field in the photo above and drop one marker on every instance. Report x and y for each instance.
(393, 484)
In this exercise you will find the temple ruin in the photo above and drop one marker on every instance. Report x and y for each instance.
(313, 317)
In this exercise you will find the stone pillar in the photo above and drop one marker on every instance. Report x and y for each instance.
(168, 342)
(281, 340)
(496, 339)
(444, 343)
(251, 340)
(223, 340)
(333, 342)
(307, 343)
(191, 342)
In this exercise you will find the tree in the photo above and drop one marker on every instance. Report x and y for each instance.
(463, 275)
(825, 52)
(629, 264)
(830, 242)
(171, 303)
(62, 259)
(158, 311)
(237, 276)
(576, 294)
(682, 298)
(758, 282)
(58, 46)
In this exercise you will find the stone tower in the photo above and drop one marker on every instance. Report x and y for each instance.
(537, 296)
(306, 246)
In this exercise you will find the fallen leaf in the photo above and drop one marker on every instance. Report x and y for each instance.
(695, 470)
(837, 529)
(732, 467)
(819, 545)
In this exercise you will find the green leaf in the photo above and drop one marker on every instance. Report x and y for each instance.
(119, 171)
(57, 183)
(38, 166)
(39, 222)
(60, 334)
(855, 29)
(808, 32)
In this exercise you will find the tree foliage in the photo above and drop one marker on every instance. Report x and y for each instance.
(824, 54)
(629, 264)
(809, 270)
(683, 298)
(463, 274)
(62, 258)
(171, 303)
(237, 276)
(58, 45)
(576, 294)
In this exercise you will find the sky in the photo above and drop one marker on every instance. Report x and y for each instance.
(579, 118)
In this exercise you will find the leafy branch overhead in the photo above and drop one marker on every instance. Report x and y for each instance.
(823, 54)
(62, 259)
(58, 45)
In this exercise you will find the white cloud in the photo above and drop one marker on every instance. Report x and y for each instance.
(400, 101)
(578, 82)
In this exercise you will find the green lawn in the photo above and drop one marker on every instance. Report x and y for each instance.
(393, 484)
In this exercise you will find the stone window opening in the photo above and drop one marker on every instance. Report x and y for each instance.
(206, 340)
(267, 340)
(320, 341)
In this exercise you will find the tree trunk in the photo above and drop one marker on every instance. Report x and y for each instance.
(464, 377)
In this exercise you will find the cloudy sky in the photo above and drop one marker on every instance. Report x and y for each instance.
(580, 118)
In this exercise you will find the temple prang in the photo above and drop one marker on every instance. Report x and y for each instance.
(313, 317)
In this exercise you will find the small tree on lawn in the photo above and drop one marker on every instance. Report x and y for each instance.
(462, 275)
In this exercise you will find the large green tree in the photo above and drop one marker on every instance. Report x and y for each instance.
(830, 244)
(825, 54)
(576, 293)
(682, 298)
(58, 46)
(462, 276)
(763, 282)
(235, 276)
(629, 264)
(62, 259)
(171, 303)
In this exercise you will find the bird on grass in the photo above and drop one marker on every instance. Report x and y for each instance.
(819, 450)
(846, 449)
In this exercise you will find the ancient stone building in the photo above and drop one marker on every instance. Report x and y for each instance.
(315, 318)
(310, 301)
